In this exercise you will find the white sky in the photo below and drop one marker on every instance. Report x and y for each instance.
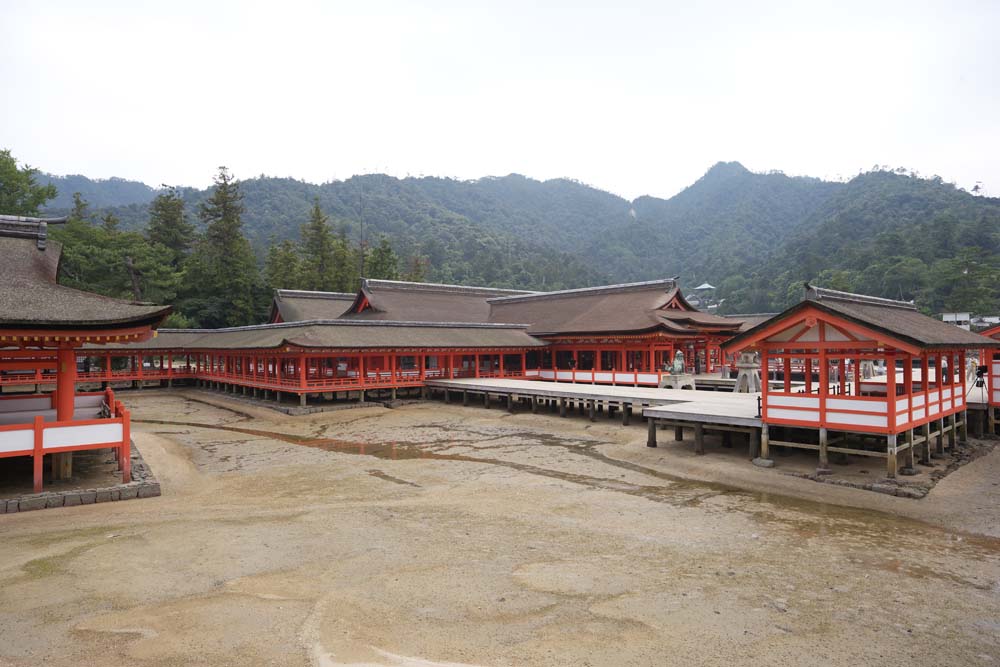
(637, 99)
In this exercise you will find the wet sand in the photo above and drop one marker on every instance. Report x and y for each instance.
(442, 535)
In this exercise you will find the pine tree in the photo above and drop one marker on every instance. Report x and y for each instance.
(223, 279)
(81, 209)
(318, 256)
(110, 221)
(382, 261)
(345, 261)
(169, 226)
(282, 269)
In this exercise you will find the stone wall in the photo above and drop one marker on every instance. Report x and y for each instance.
(143, 485)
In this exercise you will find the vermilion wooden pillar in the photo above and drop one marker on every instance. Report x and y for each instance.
(65, 384)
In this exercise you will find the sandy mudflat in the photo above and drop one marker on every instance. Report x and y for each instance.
(442, 535)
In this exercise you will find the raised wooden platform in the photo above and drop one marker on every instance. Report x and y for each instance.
(709, 408)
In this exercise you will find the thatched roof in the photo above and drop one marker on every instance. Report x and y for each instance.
(899, 320)
(397, 300)
(340, 334)
(629, 308)
(292, 305)
(30, 297)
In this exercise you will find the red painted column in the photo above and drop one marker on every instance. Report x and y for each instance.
(65, 384)
(38, 454)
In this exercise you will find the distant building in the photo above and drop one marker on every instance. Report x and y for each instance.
(960, 320)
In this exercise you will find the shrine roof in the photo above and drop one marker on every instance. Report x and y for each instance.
(30, 297)
(626, 308)
(341, 334)
(899, 320)
(292, 305)
(397, 300)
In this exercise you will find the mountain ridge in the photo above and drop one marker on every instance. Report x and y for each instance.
(754, 235)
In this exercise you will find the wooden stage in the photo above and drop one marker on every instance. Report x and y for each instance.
(700, 411)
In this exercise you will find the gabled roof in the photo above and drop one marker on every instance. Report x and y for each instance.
(340, 334)
(30, 297)
(292, 305)
(627, 308)
(898, 321)
(397, 300)
(750, 320)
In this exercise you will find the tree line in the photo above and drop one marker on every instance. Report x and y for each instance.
(213, 277)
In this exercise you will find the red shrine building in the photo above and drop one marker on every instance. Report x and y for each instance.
(989, 372)
(910, 396)
(43, 328)
(395, 334)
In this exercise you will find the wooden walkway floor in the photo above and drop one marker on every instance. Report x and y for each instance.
(708, 407)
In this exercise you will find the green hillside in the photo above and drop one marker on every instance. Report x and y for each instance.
(755, 236)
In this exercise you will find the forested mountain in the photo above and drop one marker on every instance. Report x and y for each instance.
(755, 236)
(100, 193)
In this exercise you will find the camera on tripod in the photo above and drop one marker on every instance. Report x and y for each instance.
(980, 375)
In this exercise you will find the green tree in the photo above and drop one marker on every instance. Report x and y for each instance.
(318, 253)
(81, 209)
(346, 263)
(382, 261)
(169, 226)
(222, 276)
(20, 193)
(417, 273)
(110, 222)
(282, 269)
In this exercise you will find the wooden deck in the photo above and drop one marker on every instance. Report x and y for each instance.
(708, 407)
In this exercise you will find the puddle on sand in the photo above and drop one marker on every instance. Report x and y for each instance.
(804, 517)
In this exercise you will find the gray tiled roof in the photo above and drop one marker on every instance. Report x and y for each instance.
(628, 308)
(398, 300)
(298, 305)
(341, 334)
(30, 297)
(897, 319)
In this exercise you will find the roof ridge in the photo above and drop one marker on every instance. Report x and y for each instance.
(583, 291)
(313, 294)
(353, 323)
(442, 287)
(814, 293)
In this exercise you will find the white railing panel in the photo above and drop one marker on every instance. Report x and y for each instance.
(584, 376)
(649, 378)
(17, 441)
(72, 436)
(900, 404)
(548, 375)
(918, 414)
(627, 378)
(933, 396)
(25, 404)
(793, 401)
(796, 415)
(564, 375)
(946, 405)
(959, 401)
(857, 420)
(604, 377)
(851, 404)
(946, 392)
(532, 374)
(918, 399)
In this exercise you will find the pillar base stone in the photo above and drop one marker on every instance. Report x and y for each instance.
(763, 463)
